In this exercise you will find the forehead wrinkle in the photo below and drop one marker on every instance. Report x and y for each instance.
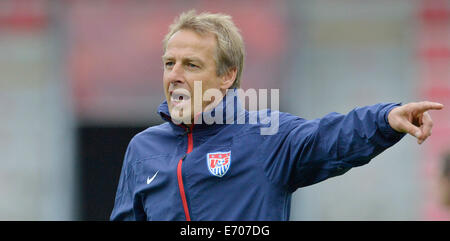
(184, 58)
(188, 55)
(189, 51)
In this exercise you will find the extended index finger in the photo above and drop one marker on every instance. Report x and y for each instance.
(428, 105)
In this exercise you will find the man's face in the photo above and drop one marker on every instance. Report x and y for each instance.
(189, 57)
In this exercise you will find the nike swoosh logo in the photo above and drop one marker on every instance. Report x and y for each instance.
(149, 180)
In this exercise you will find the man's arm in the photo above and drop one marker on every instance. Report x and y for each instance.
(307, 152)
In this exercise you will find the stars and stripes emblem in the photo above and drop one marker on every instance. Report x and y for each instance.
(218, 163)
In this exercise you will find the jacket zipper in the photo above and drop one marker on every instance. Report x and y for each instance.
(180, 176)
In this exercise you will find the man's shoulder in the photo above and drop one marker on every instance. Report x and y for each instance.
(150, 142)
(266, 118)
(156, 129)
(152, 132)
(265, 114)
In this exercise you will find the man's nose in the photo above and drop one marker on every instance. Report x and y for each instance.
(176, 74)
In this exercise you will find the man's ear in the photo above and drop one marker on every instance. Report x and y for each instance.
(228, 78)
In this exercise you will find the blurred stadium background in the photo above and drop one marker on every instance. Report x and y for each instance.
(79, 78)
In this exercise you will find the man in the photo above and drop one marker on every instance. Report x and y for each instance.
(188, 169)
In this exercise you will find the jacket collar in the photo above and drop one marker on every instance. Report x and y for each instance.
(229, 102)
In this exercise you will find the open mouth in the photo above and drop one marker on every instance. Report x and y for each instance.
(179, 96)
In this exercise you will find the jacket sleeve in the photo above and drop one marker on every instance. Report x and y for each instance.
(126, 207)
(306, 152)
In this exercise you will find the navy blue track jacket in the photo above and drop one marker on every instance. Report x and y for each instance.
(232, 172)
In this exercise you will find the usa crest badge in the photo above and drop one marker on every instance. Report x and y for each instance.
(218, 163)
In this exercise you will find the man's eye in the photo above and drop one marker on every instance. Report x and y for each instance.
(192, 66)
(168, 64)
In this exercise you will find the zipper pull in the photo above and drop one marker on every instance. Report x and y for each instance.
(188, 130)
(184, 157)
